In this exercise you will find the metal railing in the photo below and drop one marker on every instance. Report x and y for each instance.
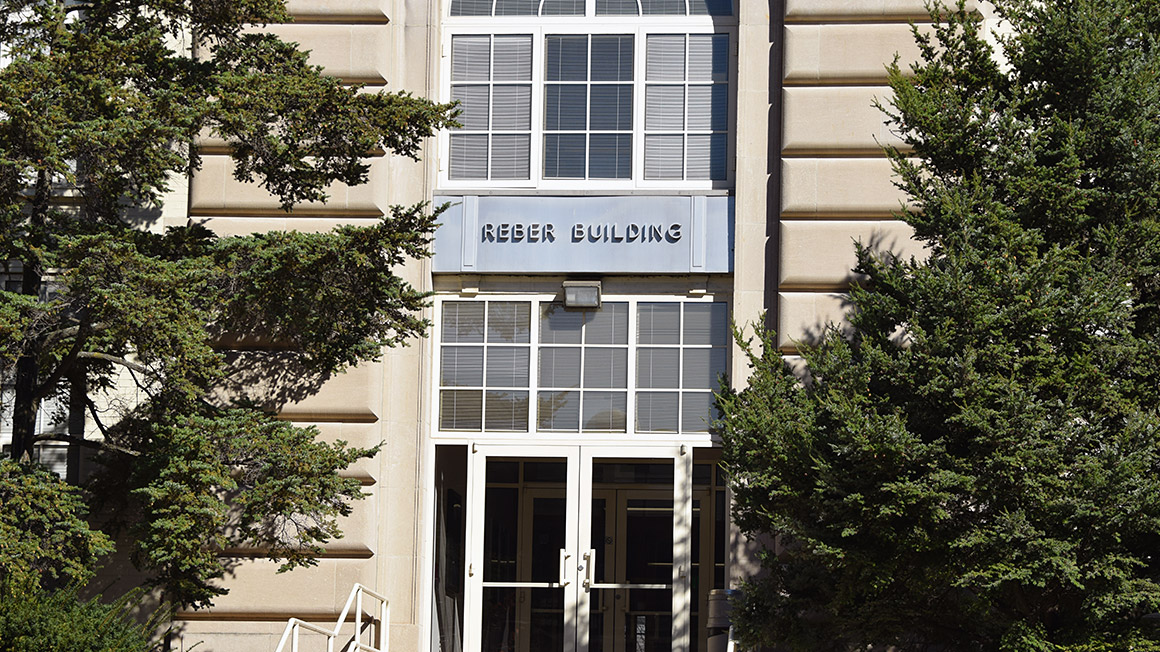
(294, 626)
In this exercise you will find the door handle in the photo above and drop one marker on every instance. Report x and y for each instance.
(564, 566)
(589, 563)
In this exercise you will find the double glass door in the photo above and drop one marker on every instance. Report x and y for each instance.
(578, 549)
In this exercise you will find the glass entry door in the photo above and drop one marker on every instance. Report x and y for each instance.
(578, 549)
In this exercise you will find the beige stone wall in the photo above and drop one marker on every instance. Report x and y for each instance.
(360, 41)
(835, 184)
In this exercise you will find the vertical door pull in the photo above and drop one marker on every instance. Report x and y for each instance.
(589, 563)
(564, 567)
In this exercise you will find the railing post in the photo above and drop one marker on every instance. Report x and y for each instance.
(358, 619)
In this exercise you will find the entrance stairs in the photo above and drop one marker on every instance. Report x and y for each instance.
(364, 626)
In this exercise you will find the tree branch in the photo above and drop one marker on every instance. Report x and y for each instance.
(96, 355)
(88, 443)
(72, 331)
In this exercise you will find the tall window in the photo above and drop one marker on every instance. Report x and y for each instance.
(630, 366)
(642, 106)
(588, 106)
(495, 107)
(686, 106)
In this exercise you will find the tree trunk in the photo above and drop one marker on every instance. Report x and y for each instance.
(26, 405)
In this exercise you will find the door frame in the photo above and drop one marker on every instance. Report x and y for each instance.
(578, 527)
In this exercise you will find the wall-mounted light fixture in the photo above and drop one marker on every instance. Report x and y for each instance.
(581, 294)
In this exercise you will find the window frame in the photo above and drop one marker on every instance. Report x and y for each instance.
(533, 432)
(540, 27)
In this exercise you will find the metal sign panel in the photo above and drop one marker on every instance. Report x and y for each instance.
(609, 235)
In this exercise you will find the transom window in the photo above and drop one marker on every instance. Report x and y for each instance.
(629, 366)
(627, 107)
(603, 7)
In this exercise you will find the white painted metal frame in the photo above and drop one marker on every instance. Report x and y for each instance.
(534, 435)
(575, 562)
(538, 27)
(294, 627)
(477, 490)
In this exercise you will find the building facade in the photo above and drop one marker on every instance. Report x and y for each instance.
(630, 177)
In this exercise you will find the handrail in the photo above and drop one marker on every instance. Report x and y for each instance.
(295, 625)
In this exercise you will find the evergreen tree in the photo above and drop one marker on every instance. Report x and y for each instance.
(101, 103)
(973, 463)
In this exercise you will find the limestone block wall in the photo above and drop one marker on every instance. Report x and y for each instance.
(358, 41)
(835, 184)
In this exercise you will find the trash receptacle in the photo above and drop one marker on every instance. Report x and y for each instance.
(717, 622)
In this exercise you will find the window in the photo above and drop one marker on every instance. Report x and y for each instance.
(603, 7)
(629, 106)
(630, 366)
(588, 106)
(495, 109)
(685, 106)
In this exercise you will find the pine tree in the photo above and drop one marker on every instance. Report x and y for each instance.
(101, 102)
(973, 464)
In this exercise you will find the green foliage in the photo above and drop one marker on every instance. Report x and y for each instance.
(38, 621)
(973, 463)
(100, 105)
(44, 539)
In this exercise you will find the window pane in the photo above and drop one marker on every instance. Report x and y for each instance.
(562, 8)
(612, 57)
(708, 57)
(507, 366)
(658, 368)
(567, 58)
(470, 58)
(609, 325)
(516, 7)
(565, 107)
(707, 323)
(656, 411)
(468, 156)
(460, 409)
(616, 8)
(709, 107)
(605, 368)
(564, 156)
(664, 107)
(559, 367)
(470, 7)
(473, 106)
(611, 107)
(610, 156)
(462, 322)
(711, 7)
(707, 158)
(559, 411)
(697, 411)
(510, 156)
(665, 58)
(658, 323)
(509, 321)
(513, 57)
(506, 411)
(703, 367)
(559, 325)
(667, 7)
(605, 411)
(461, 366)
(511, 108)
(664, 156)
